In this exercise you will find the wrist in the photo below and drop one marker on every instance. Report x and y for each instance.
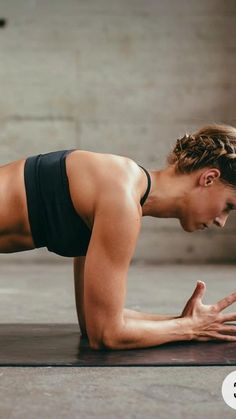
(185, 327)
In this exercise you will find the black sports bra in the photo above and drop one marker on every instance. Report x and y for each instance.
(148, 187)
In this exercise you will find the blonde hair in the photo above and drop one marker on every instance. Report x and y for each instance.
(212, 146)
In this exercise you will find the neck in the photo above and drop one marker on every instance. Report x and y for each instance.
(167, 194)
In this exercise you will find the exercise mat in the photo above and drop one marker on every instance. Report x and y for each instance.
(61, 345)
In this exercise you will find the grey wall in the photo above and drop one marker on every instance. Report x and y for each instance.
(125, 77)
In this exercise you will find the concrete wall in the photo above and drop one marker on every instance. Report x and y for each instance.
(125, 77)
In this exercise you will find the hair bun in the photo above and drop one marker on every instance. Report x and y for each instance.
(211, 146)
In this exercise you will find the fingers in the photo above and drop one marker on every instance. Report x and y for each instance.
(230, 317)
(229, 329)
(199, 290)
(225, 302)
(228, 338)
(217, 336)
(202, 288)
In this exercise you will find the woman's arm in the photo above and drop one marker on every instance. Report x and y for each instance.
(113, 241)
(133, 314)
(78, 266)
(112, 244)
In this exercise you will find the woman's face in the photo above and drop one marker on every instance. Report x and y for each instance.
(208, 203)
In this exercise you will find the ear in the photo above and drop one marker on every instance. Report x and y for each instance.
(209, 176)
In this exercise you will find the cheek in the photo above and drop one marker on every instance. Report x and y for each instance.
(213, 209)
(201, 206)
(206, 208)
(216, 206)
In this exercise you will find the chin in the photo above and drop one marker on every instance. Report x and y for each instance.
(187, 228)
(190, 230)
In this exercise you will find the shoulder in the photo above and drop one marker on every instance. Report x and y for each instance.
(96, 175)
(118, 179)
(117, 220)
(115, 233)
(105, 168)
(104, 182)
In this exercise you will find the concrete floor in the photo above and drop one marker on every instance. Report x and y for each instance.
(44, 293)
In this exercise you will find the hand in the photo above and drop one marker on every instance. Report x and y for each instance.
(207, 321)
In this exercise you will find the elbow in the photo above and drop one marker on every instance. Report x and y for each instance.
(95, 343)
(99, 345)
(106, 340)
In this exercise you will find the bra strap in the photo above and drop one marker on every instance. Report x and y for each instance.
(148, 187)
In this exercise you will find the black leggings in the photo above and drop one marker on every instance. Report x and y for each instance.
(53, 219)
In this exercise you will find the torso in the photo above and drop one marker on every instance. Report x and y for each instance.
(87, 173)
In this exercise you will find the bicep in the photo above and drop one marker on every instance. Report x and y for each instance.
(110, 251)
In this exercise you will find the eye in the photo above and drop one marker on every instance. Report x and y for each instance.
(229, 207)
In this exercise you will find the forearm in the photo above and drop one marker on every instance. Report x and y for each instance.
(138, 333)
(128, 314)
(133, 314)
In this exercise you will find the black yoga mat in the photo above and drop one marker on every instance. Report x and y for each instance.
(61, 345)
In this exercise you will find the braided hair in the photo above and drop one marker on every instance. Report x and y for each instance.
(212, 146)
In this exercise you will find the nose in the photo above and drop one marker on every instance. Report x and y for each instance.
(220, 221)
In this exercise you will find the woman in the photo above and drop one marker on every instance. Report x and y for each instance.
(89, 206)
